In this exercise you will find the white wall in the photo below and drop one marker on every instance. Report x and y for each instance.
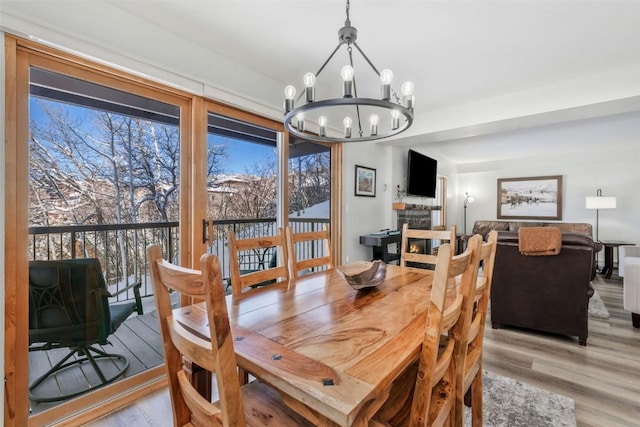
(363, 215)
(615, 169)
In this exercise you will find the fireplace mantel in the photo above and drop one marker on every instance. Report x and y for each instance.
(411, 206)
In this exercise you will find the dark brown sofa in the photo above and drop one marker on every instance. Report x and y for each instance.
(544, 293)
(483, 227)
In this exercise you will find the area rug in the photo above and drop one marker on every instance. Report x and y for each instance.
(510, 403)
(597, 307)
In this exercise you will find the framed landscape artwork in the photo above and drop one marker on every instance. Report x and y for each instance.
(365, 181)
(537, 197)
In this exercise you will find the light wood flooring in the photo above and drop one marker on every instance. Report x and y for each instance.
(603, 378)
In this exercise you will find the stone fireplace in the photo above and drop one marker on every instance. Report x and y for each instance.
(417, 216)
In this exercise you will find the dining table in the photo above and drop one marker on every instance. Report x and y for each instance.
(330, 350)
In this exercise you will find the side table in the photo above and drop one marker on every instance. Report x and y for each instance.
(607, 270)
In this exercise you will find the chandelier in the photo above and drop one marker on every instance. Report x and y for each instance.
(386, 116)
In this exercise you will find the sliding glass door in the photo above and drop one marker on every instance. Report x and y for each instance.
(97, 173)
(243, 181)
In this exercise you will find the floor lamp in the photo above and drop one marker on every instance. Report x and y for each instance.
(467, 199)
(599, 202)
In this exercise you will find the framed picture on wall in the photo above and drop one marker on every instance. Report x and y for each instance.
(365, 181)
(537, 197)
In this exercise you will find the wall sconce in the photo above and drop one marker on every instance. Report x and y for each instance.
(468, 198)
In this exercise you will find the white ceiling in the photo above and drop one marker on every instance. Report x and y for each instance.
(478, 66)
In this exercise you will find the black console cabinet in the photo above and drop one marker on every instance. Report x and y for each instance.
(380, 245)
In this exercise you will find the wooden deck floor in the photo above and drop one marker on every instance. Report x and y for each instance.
(138, 339)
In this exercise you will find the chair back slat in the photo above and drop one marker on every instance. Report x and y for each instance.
(261, 274)
(186, 281)
(299, 265)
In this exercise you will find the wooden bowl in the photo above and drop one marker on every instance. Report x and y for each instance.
(364, 275)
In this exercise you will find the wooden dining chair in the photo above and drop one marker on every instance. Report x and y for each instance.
(302, 248)
(253, 404)
(471, 382)
(245, 279)
(407, 255)
(425, 393)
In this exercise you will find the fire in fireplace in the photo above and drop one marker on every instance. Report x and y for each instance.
(417, 246)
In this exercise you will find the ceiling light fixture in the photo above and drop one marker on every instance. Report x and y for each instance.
(387, 116)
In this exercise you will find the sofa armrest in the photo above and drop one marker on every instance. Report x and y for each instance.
(626, 252)
(632, 251)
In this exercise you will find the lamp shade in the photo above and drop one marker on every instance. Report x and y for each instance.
(600, 202)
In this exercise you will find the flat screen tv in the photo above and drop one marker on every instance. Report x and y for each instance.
(421, 175)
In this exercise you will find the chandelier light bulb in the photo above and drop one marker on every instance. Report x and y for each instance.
(322, 122)
(407, 88)
(309, 80)
(347, 77)
(300, 121)
(373, 121)
(386, 76)
(289, 92)
(407, 91)
(395, 119)
(347, 73)
(347, 122)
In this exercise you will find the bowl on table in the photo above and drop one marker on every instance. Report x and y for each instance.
(364, 275)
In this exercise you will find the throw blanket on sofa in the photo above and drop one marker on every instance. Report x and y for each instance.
(539, 241)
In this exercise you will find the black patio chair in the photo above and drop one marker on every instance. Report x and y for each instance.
(69, 308)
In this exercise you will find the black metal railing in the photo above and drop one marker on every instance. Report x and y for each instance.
(250, 228)
(121, 248)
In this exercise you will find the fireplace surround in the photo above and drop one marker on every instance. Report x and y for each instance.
(417, 216)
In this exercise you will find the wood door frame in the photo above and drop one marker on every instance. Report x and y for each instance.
(20, 55)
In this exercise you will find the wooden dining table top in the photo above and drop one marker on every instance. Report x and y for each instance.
(332, 349)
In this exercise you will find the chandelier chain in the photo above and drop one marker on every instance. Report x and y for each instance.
(348, 6)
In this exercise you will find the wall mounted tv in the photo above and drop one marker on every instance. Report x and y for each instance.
(421, 175)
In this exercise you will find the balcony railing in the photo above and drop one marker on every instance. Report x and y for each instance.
(121, 248)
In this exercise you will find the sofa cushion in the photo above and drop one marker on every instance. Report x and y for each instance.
(484, 227)
(515, 226)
